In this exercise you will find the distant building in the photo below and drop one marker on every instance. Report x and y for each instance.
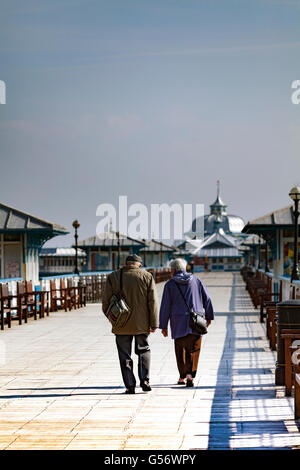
(218, 250)
(156, 253)
(56, 261)
(277, 230)
(21, 237)
(217, 219)
(103, 252)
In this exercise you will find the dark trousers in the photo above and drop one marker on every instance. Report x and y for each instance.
(142, 349)
(187, 350)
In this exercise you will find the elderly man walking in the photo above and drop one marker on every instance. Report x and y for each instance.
(139, 291)
(182, 291)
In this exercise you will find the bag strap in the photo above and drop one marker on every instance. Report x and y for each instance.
(121, 282)
(182, 296)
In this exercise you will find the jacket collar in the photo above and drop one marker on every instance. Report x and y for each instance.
(131, 267)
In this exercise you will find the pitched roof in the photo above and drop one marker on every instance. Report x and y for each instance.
(15, 220)
(50, 252)
(109, 240)
(219, 238)
(280, 218)
(219, 252)
(156, 246)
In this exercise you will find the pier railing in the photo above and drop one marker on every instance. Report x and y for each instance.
(93, 282)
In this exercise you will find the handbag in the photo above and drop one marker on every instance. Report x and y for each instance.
(118, 311)
(197, 320)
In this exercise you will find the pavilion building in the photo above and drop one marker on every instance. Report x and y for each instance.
(109, 250)
(156, 253)
(21, 237)
(59, 261)
(277, 229)
(219, 249)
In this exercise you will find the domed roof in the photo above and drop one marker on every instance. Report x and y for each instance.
(217, 219)
(229, 223)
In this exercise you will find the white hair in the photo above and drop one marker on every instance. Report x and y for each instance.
(179, 264)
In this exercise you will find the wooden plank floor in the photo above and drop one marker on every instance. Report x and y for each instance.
(61, 388)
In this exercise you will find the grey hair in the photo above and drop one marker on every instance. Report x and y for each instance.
(179, 264)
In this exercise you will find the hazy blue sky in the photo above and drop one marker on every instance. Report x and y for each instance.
(151, 99)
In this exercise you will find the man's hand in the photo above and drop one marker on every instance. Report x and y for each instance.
(164, 332)
(208, 322)
(152, 330)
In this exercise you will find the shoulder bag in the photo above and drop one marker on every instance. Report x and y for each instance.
(118, 311)
(197, 320)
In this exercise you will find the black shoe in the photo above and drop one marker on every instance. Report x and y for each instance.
(189, 383)
(145, 386)
(181, 383)
(130, 391)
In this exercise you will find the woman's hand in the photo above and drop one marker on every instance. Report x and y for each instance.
(164, 332)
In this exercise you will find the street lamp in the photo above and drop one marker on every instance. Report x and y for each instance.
(76, 225)
(259, 242)
(161, 261)
(266, 255)
(295, 196)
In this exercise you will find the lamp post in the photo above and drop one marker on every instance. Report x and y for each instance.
(161, 261)
(295, 196)
(76, 226)
(266, 255)
(259, 242)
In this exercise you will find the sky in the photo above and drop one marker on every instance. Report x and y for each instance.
(155, 100)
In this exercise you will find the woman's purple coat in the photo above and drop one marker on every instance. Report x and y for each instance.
(174, 309)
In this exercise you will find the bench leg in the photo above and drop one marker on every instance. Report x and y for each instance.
(288, 369)
(297, 400)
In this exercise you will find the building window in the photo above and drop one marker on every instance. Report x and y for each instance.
(12, 260)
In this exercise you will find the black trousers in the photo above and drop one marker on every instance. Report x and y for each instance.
(142, 349)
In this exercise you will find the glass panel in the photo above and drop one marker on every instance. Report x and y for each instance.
(12, 261)
(101, 261)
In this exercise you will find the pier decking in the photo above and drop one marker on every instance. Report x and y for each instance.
(61, 387)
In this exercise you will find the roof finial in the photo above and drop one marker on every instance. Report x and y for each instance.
(218, 188)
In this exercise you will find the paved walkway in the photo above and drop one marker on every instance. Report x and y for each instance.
(60, 386)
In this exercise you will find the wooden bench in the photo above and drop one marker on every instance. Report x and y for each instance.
(289, 335)
(65, 295)
(297, 396)
(73, 293)
(271, 311)
(82, 293)
(256, 289)
(36, 301)
(22, 307)
(5, 306)
(57, 299)
(266, 301)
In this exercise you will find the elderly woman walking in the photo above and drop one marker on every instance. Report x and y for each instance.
(184, 289)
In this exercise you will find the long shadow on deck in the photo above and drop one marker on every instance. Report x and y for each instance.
(224, 429)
